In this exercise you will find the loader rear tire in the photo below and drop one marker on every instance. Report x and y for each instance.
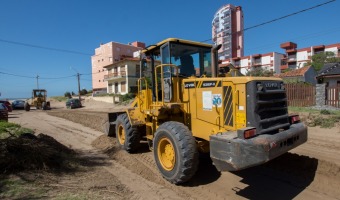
(175, 152)
(128, 137)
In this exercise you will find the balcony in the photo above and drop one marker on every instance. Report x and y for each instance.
(291, 59)
(115, 75)
(283, 67)
(257, 64)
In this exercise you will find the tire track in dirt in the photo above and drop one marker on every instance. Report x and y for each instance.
(292, 173)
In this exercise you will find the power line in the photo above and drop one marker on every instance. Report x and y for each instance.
(84, 79)
(63, 77)
(277, 19)
(299, 38)
(93, 73)
(43, 47)
(23, 76)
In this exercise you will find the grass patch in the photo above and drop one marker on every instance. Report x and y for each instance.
(302, 109)
(325, 122)
(8, 129)
(313, 117)
(16, 188)
(313, 111)
(59, 98)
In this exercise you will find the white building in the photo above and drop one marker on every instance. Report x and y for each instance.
(269, 61)
(297, 58)
(122, 75)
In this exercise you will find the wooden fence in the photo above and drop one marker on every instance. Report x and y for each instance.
(333, 96)
(300, 95)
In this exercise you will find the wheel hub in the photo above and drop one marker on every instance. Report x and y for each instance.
(166, 154)
(121, 135)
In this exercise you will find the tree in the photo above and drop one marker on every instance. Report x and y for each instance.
(83, 91)
(319, 60)
(67, 94)
(259, 72)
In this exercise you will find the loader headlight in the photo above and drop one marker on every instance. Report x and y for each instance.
(282, 86)
(259, 86)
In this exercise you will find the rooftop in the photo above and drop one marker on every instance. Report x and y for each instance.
(294, 73)
(329, 69)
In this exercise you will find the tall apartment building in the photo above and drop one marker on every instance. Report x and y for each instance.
(227, 29)
(108, 54)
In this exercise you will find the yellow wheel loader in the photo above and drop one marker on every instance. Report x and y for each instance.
(186, 105)
(38, 100)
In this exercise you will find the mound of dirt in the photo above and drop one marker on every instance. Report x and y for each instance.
(33, 152)
(94, 120)
(104, 143)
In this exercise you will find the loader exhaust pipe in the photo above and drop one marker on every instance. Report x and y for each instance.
(214, 60)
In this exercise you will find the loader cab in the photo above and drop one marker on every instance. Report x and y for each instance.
(180, 59)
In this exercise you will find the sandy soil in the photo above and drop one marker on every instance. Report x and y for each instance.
(311, 171)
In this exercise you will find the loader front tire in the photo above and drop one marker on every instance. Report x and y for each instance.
(27, 107)
(175, 152)
(128, 137)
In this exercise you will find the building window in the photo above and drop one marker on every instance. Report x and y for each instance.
(116, 88)
(123, 86)
(117, 48)
(110, 88)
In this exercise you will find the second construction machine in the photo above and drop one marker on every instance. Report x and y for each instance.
(186, 105)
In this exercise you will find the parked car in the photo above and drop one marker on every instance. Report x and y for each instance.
(7, 104)
(18, 104)
(73, 103)
(3, 112)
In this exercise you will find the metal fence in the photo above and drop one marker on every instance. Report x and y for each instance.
(333, 96)
(300, 95)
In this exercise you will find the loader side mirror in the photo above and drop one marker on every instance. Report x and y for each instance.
(144, 64)
(143, 67)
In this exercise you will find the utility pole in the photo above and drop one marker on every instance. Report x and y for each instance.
(78, 76)
(37, 82)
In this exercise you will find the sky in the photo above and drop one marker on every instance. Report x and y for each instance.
(69, 31)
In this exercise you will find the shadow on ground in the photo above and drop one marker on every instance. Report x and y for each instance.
(282, 178)
(206, 173)
(42, 153)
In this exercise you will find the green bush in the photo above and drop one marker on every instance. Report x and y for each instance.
(67, 94)
(328, 122)
(325, 112)
(128, 96)
(83, 92)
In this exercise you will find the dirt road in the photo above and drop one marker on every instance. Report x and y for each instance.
(309, 172)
